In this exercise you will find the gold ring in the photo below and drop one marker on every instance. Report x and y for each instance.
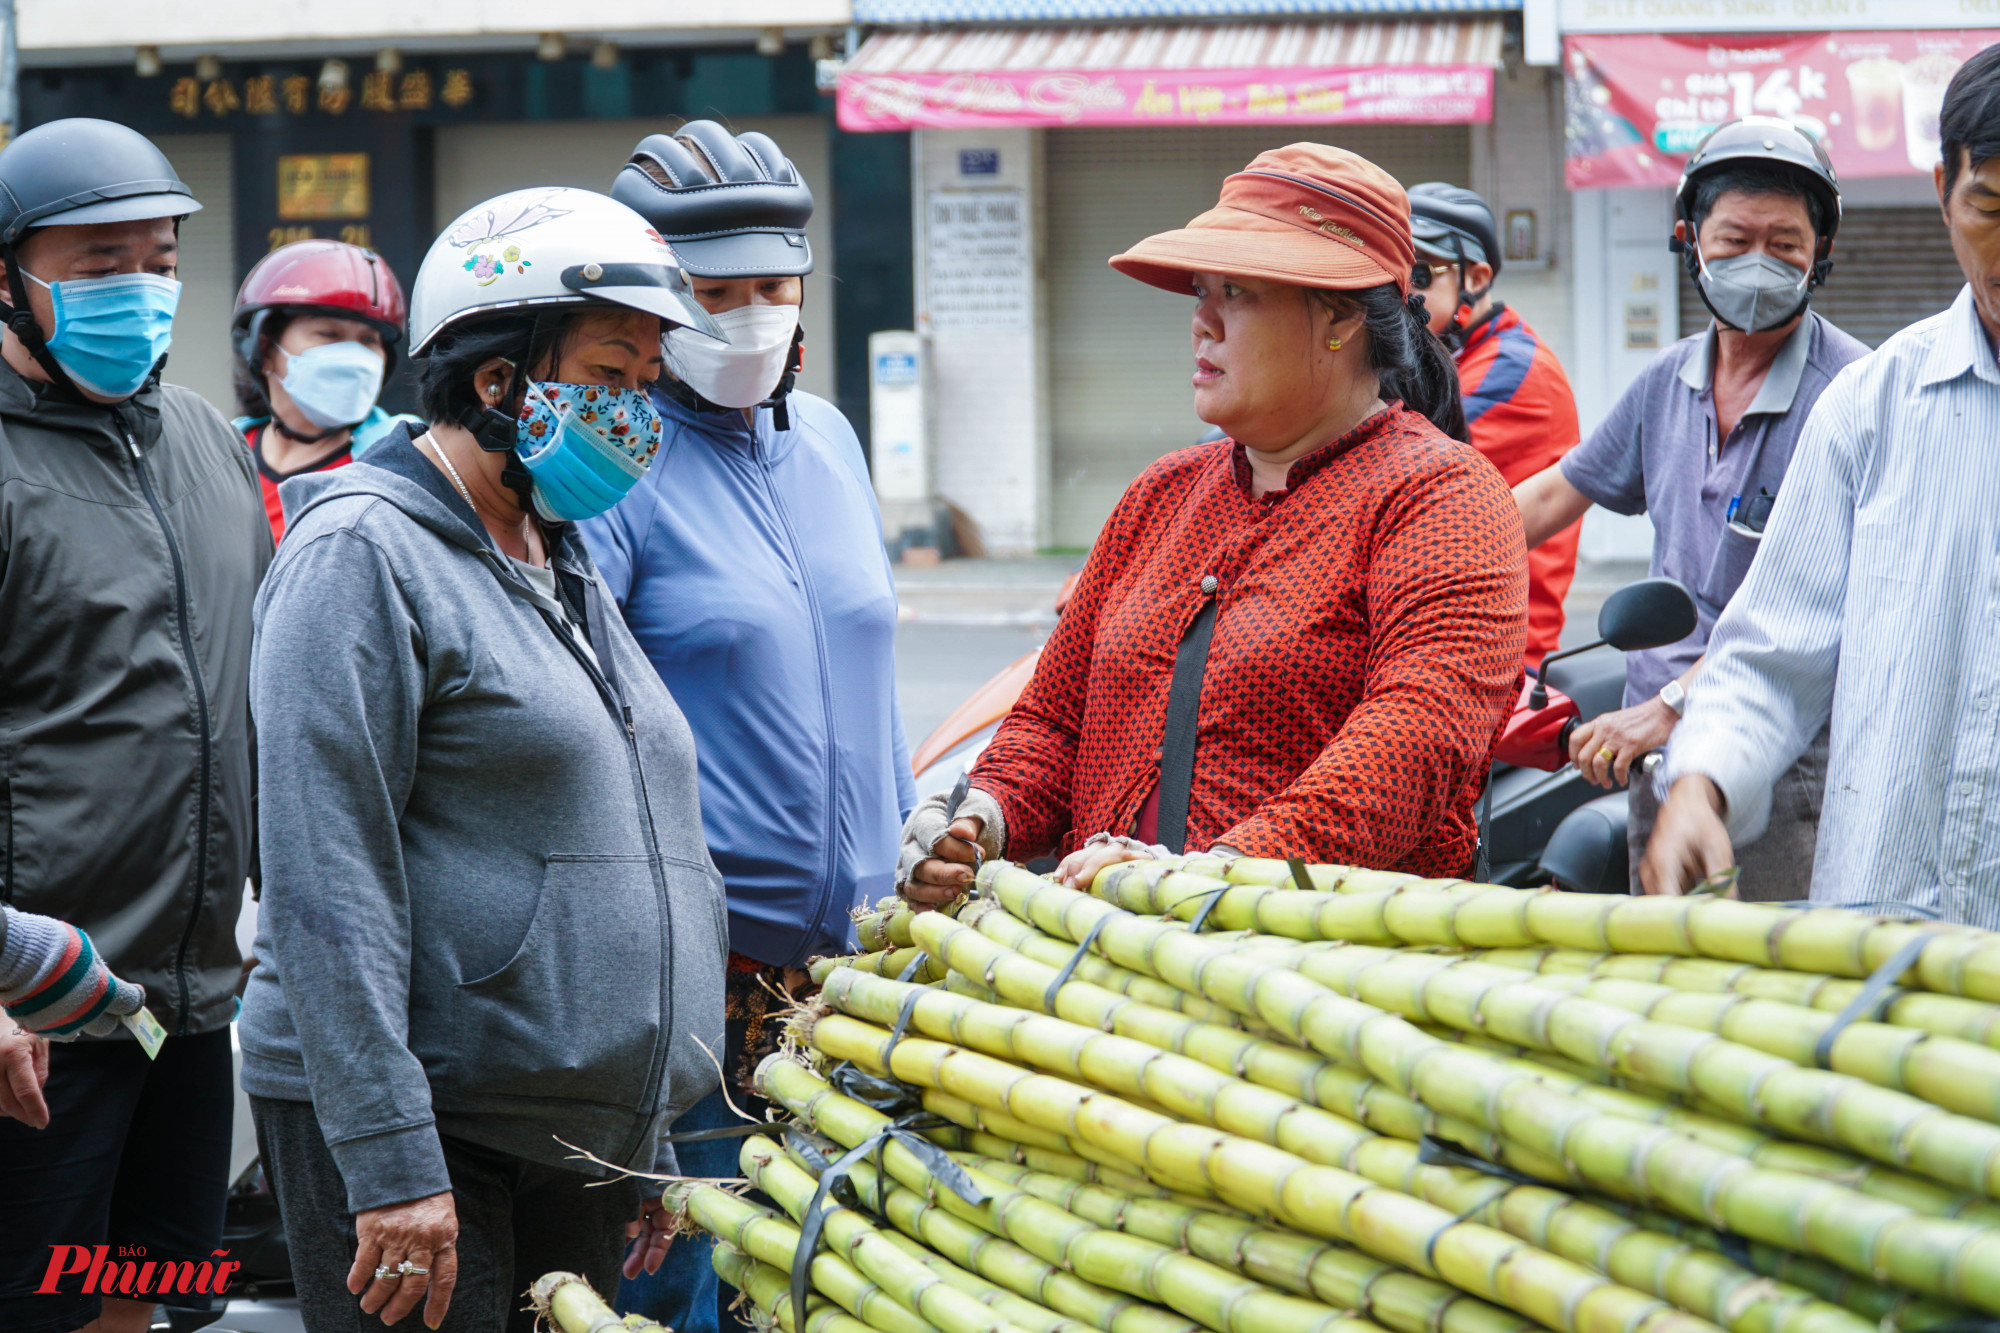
(1607, 754)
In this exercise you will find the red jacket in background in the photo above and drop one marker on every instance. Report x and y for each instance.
(1523, 418)
(1366, 650)
(269, 480)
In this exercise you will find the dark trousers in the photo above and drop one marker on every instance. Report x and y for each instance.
(516, 1221)
(136, 1157)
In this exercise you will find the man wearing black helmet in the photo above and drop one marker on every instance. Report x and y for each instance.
(749, 565)
(1700, 442)
(132, 540)
(1518, 405)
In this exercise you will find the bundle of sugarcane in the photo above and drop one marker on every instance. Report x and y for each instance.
(1264, 1097)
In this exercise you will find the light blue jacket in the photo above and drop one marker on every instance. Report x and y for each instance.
(749, 565)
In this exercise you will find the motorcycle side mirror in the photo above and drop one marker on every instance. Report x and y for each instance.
(1651, 613)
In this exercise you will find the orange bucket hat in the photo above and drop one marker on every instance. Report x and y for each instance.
(1307, 213)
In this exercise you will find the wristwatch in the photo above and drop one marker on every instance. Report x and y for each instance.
(1674, 697)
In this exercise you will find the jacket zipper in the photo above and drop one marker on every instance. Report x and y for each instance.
(621, 715)
(825, 683)
(201, 722)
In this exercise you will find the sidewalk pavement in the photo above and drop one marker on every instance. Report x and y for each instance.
(987, 593)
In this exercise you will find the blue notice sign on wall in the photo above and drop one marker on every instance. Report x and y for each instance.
(896, 368)
(979, 161)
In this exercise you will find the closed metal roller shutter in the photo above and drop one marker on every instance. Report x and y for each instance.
(1891, 268)
(201, 357)
(1118, 350)
(476, 162)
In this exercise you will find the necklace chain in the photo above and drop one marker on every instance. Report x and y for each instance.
(450, 471)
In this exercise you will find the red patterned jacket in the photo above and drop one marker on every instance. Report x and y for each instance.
(1366, 652)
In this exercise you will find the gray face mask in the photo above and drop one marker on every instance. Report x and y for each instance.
(1753, 292)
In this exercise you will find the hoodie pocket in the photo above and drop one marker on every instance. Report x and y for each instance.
(574, 1015)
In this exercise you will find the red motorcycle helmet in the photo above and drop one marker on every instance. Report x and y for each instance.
(318, 278)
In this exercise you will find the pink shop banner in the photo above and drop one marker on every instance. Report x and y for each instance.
(1383, 94)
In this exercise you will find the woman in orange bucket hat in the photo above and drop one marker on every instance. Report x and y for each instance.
(1302, 640)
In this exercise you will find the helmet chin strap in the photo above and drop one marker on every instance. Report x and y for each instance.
(21, 320)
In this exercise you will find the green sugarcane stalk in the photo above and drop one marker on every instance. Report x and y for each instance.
(852, 1236)
(1362, 1099)
(1945, 1015)
(1334, 1274)
(1214, 1297)
(1935, 1256)
(569, 1304)
(770, 1291)
(1320, 1200)
(1070, 1166)
(1889, 1126)
(1009, 1266)
(1706, 1285)
(768, 1238)
(886, 927)
(1391, 908)
(952, 1248)
(882, 962)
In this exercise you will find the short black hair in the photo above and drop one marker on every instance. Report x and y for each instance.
(446, 370)
(1752, 177)
(1969, 124)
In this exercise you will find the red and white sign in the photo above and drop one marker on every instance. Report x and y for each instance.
(1413, 94)
(1638, 103)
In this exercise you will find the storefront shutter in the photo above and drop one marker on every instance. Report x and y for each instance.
(1892, 267)
(201, 358)
(1119, 359)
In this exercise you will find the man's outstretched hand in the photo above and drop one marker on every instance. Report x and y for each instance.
(1689, 842)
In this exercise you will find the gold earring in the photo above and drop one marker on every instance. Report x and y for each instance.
(1333, 344)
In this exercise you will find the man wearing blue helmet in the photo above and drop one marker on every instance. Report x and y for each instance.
(132, 540)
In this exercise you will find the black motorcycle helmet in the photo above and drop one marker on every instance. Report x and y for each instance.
(731, 206)
(1771, 142)
(1452, 220)
(75, 173)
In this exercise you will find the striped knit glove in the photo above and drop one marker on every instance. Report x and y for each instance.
(52, 981)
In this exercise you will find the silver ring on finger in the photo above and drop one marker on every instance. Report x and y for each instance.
(408, 1269)
(384, 1273)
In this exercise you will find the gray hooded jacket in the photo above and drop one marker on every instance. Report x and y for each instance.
(131, 541)
(488, 912)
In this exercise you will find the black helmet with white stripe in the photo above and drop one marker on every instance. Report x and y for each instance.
(731, 206)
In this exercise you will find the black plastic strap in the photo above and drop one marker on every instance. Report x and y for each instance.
(897, 1032)
(1433, 1151)
(743, 1131)
(1871, 997)
(1210, 898)
(915, 965)
(1063, 976)
(902, 1130)
(1177, 742)
(1300, 875)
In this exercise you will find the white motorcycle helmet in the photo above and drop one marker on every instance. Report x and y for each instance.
(549, 246)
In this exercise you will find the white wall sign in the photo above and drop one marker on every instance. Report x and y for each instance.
(976, 251)
(1772, 15)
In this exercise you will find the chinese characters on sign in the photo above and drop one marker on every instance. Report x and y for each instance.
(296, 94)
(323, 185)
(976, 260)
(1419, 94)
(1638, 103)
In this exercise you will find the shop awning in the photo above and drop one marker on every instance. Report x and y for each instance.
(1638, 103)
(890, 12)
(1411, 72)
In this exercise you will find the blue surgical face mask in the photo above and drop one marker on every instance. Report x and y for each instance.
(585, 445)
(334, 384)
(110, 332)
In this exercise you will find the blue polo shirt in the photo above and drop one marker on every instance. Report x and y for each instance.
(1657, 453)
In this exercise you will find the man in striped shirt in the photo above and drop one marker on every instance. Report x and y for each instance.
(1875, 602)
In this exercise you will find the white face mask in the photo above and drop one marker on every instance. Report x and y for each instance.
(747, 371)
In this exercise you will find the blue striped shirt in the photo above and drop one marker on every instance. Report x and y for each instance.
(1875, 600)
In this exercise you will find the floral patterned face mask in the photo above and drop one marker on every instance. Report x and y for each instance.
(585, 445)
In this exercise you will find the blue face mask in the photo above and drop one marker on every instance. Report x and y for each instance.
(334, 384)
(111, 332)
(585, 445)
